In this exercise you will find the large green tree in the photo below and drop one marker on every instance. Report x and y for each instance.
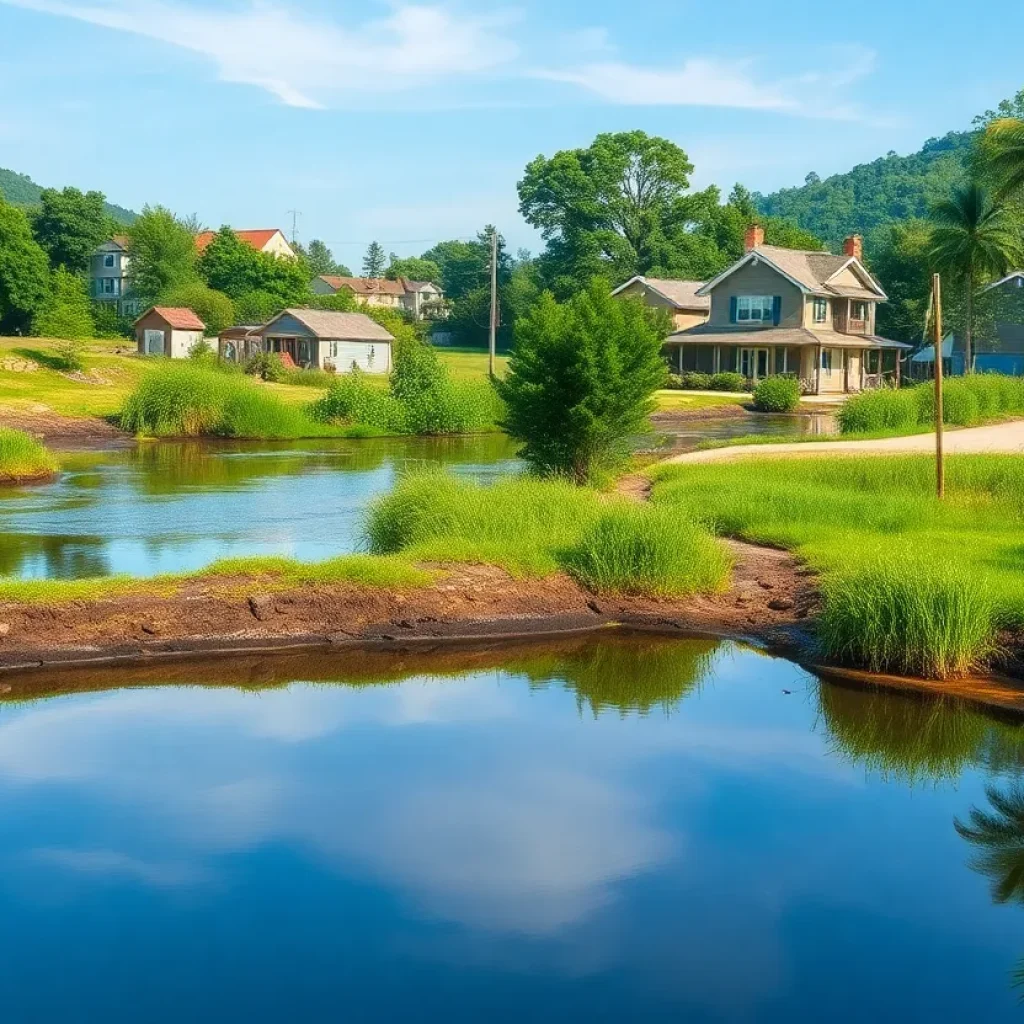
(69, 225)
(415, 268)
(374, 261)
(973, 241)
(214, 308)
(900, 257)
(465, 265)
(163, 253)
(231, 266)
(581, 380)
(615, 206)
(66, 312)
(320, 261)
(23, 271)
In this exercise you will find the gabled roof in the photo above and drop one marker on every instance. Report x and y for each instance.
(417, 286)
(1014, 275)
(714, 334)
(258, 238)
(326, 323)
(364, 285)
(681, 294)
(179, 318)
(811, 272)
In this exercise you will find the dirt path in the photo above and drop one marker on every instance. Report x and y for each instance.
(1005, 438)
(42, 422)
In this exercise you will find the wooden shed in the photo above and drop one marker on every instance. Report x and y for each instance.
(329, 340)
(169, 331)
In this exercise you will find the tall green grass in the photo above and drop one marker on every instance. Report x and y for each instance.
(186, 399)
(537, 527)
(22, 457)
(910, 584)
(635, 549)
(966, 402)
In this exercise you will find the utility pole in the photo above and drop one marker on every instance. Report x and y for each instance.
(494, 299)
(940, 468)
(295, 217)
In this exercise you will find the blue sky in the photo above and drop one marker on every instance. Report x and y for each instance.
(411, 123)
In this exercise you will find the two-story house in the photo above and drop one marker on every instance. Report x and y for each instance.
(421, 298)
(792, 311)
(680, 299)
(108, 275)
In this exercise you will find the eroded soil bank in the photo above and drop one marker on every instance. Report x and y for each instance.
(770, 602)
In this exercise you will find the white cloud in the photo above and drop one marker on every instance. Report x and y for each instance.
(308, 62)
(712, 82)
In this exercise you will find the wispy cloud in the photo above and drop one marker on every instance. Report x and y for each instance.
(306, 61)
(713, 82)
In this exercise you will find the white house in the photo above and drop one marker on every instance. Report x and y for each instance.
(329, 340)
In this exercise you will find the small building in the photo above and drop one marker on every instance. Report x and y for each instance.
(268, 240)
(169, 331)
(240, 343)
(681, 299)
(329, 341)
(793, 311)
(423, 299)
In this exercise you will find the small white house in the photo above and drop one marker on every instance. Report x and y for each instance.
(169, 331)
(329, 340)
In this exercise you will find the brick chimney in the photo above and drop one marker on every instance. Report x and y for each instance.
(854, 246)
(754, 237)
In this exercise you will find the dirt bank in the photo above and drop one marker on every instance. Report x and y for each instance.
(47, 425)
(769, 603)
(730, 411)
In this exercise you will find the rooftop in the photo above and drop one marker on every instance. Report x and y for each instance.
(257, 238)
(180, 318)
(325, 323)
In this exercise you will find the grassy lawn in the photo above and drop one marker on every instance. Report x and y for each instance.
(671, 401)
(911, 584)
(470, 363)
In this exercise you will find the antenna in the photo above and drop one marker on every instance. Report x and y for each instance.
(296, 214)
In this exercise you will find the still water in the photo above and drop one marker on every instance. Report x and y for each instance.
(178, 506)
(630, 829)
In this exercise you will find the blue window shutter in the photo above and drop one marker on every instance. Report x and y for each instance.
(732, 309)
(777, 310)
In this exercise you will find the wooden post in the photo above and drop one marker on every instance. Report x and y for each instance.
(494, 302)
(940, 468)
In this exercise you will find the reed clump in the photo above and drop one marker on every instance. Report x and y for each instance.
(22, 457)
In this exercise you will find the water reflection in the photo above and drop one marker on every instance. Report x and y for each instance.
(630, 828)
(173, 507)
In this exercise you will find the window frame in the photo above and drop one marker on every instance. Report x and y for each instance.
(109, 260)
(863, 306)
(820, 305)
(765, 304)
(826, 360)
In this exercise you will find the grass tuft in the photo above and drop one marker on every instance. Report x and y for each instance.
(22, 457)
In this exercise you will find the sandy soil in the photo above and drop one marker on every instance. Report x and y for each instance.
(47, 425)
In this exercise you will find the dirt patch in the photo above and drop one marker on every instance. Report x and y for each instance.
(731, 411)
(42, 422)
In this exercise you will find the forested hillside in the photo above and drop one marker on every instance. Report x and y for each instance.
(21, 190)
(890, 189)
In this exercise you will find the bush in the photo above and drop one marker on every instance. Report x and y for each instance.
(877, 411)
(111, 324)
(727, 382)
(636, 549)
(694, 381)
(924, 619)
(353, 399)
(183, 399)
(267, 366)
(777, 394)
(22, 457)
(66, 314)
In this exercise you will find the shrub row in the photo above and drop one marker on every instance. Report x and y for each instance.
(695, 381)
(966, 401)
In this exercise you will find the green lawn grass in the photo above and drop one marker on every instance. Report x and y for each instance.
(671, 400)
(22, 457)
(911, 584)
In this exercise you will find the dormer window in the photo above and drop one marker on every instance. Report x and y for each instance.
(858, 311)
(820, 311)
(758, 309)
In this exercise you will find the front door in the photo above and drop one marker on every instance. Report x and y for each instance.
(753, 363)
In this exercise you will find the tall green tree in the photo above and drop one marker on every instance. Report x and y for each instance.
(23, 271)
(415, 268)
(66, 312)
(611, 207)
(973, 241)
(320, 260)
(214, 308)
(465, 265)
(900, 257)
(374, 261)
(69, 225)
(162, 248)
(581, 380)
(1002, 156)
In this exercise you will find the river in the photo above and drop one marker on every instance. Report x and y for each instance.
(173, 506)
(626, 829)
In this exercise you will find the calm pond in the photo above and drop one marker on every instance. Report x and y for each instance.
(630, 829)
(178, 506)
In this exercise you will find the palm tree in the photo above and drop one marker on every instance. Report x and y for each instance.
(998, 835)
(1002, 155)
(972, 240)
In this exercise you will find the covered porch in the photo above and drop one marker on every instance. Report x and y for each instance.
(303, 352)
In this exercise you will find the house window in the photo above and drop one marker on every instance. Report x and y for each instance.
(858, 311)
(820, 310)
(873, 363)
(755, 309)
(826, 360)
(108, 260)
(110, 286)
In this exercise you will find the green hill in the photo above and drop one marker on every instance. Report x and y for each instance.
(889, 189)
(21, 190)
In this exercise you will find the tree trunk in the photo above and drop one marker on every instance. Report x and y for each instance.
(969, 328)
